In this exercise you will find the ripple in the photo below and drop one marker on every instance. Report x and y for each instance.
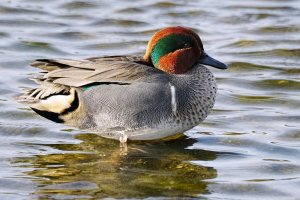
(252, 98)
(278, 84)
(291, 134)
(34, 46)
(17, 11)
(73, 35)
(78, 5)
(247, 148)
(3, 35)
(292, 71)
(266, 8)
(229, 190)
(131, 10)
(164, 4)
(244, 43)
(20, 23)
(278, 29)
(290, 53)
(243, 66)
(123, 23)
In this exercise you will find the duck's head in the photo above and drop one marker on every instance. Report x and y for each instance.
(176, 49)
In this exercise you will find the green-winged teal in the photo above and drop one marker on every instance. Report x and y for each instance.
(167, 91)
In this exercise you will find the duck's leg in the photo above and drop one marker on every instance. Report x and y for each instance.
(123, 143)
(123, 137)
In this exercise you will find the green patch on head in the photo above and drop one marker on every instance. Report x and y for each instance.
(170, 44)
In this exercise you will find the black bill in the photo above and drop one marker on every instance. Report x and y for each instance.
(207, 60)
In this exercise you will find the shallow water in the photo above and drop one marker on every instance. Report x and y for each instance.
(248, 147)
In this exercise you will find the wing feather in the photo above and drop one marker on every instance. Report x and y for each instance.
(60, 75)
(77, 73)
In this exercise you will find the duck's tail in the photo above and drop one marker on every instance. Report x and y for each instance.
(50, 100)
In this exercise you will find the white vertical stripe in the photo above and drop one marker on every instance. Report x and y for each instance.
(173, 98)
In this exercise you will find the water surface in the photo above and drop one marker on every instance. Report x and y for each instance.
(248, 148)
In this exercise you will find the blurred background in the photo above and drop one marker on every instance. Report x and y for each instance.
(248, 147)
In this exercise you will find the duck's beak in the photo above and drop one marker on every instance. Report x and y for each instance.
(207, 60)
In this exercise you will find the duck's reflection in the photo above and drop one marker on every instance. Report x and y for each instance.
(96, 168)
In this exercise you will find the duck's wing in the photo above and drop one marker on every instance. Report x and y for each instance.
(57, 95)
(77, 73)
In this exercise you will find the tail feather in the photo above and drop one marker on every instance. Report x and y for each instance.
(51, 101)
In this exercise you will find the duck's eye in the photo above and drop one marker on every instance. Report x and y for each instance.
(186, 45)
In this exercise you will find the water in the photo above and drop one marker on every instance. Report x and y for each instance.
(248, 148)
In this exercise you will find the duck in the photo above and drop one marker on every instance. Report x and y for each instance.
(167, 91)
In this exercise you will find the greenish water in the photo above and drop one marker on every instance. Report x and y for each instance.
(248, 148)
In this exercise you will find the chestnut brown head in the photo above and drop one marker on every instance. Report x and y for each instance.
(177, 49)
